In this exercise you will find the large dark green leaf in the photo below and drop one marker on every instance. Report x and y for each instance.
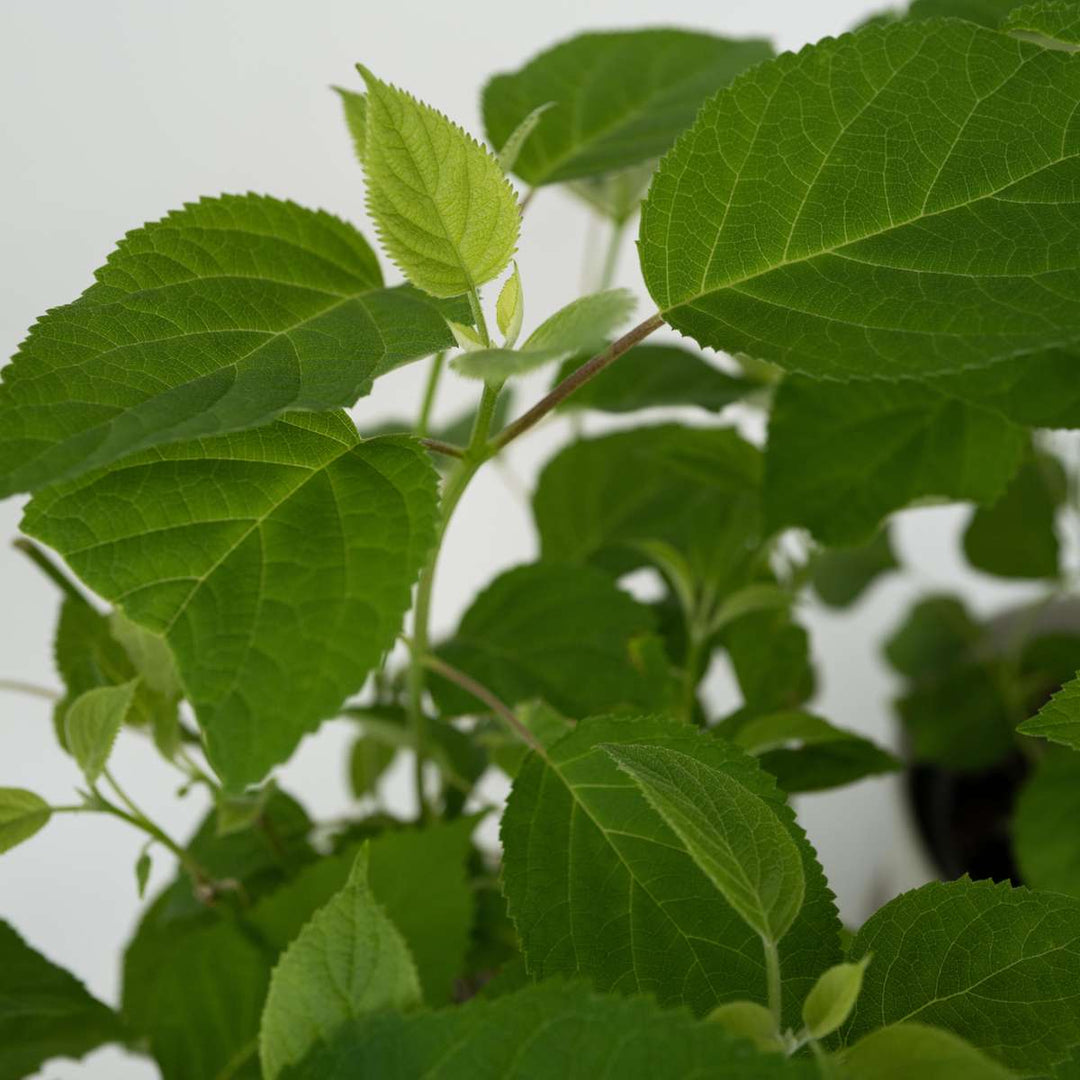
(882, 203)
(556, 1031)
(620, 98)
(1046, 838)
(277, 563)
(599, 885)
(219, 317)
(45, 1012)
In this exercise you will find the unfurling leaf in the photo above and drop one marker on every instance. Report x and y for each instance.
(355, 108)
(909, 1050)
(834, 995)
(580, 328)
(445, 212)
(509, 151)
(510, 309)
(882, 203)
(276, 563)
(143, 866)
(92, 724)
(347, 961)
(748, 1020)
(221, 316)
(619, 98)
(731, 833)
(22, 813)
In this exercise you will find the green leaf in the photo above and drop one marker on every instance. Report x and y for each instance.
(1018, 999)
(840, 575)
(235, 813)
(1052, 23)
(553, 631)
(354, 106)
(143, 866)
(444, 210)
(1016, 538)
(732, 834)
(582, 327)
(22, 814)
(607, 500)
(770, 653)
(368, 759)
(842, 456)
(654, 375)
(882, 203)
(901, 1051)
(984, 12)
(620, 98)
(600, 886)
(511, 148)
(92, 724)
(748, 1020)
(1046, 841)
(806, 753)
(219, 317)
(615, 195)
(508, 751)
(937, 634)
(829, 1004)
(1059, 719)
(348, 960)
(276, 563)
(550, 1032)
(510, 308)
(150, 656)
(45, 1013)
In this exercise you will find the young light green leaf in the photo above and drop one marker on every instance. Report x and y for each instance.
(150, 656)
(582, 327)
(605, 500)
(22, 813)
(1016, 536)
(355, 109)
(143, 866)
(1054, 24)
(616, 195)
(553, 631)
(1018, 1001)
(465, 337)
(555, 1031)
(1059, 719)
(1045, 838)
(45, 1012)
(92, 724)
(348, 960)
(829, 1004)
(276, 563)
(649, 376)
(510, 309)
(749, 1020)
(235, 813)
(903, 1051)
(620, 98)
(806, 753)
(444, 210)
(884, 252)
(840, 575)
(511, 149)
(219, 317)
(731, 833)
(841, 456)
(598, 884)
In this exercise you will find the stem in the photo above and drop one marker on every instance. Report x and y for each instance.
(19, 687)
(826, 1065)
(589, 370)
(527, 198)
(690, 675)
(482, 693)
(478, 318)
(440, 447)
(49, 568)
(772, 976)
(611, 256)
(429, 393)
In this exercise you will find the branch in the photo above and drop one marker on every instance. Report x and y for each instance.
(440, 447)
(589, 370)
(483, 694)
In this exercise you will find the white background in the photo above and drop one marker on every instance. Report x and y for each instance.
(113, 112)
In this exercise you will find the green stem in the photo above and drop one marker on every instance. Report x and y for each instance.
(19, 687)
(478, 318)
(434, 375)
(825, 1063)
(690, 675)
(611, 255)
(49, 568)
(772, 977)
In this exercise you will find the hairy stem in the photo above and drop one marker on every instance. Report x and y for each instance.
(491, 700)
(437, 364)
(772, 977)
(589, 370)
